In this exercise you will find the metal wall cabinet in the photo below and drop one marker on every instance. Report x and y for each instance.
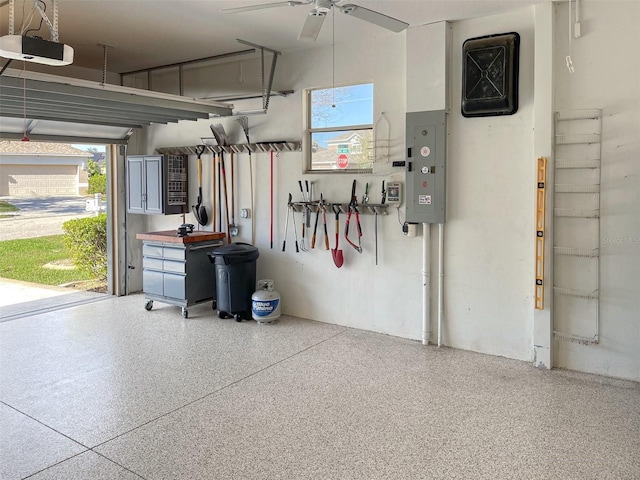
(157, 184)
(178, 273)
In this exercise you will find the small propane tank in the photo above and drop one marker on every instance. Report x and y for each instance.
(265, 302)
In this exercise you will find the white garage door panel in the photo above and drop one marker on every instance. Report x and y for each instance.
(42, 180)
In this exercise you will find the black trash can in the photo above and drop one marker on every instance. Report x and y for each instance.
(235, 266)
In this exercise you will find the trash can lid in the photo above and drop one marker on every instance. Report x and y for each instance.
(234, 253)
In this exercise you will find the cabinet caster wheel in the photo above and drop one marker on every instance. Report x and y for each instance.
(149, 305)
(185, 312)
(237, 317)
(214, 305)
(223, 315)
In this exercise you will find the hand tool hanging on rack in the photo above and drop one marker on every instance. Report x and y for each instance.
(199, 211)
(286, 225)
(219, 229)
(307, 206)
(223, 141)
(244, 123)
(303, 245)
(213, 189)
(365, 197)
(315, 226)
(353, 208)
(295, 230)
(233, 227)
(338, 257)
(323, 205)
(271, 198)
(226, 197)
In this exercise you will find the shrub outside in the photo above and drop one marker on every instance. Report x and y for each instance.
(86, 239)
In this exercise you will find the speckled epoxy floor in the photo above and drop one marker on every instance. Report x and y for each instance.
(107, 390)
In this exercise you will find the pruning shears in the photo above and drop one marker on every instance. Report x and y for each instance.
(353, 208)
(365, 197)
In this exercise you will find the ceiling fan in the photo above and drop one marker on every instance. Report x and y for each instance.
(316, 16)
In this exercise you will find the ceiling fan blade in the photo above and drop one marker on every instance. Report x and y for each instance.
(374, 17)
(249, 8)
(311, 27)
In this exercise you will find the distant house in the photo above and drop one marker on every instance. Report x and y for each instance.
(42, 169)
(347, 143)
(352, 145)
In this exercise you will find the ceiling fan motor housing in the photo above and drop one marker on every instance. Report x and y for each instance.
(322, 7)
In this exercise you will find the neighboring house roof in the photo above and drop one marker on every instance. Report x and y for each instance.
(347, 136)
(8, 147)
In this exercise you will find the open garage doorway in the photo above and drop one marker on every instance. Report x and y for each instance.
(50, 194)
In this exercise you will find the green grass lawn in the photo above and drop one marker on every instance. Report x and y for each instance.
(25, 259)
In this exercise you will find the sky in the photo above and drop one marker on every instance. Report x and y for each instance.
(100, 148)
(353, 106)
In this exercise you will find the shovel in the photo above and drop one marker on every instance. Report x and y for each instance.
(338, 258)
(199, 211)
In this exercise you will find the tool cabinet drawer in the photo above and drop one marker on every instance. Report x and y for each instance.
(151, 250)
(174, 286)
(153, 282)
(174, 266)
(152, 263)
(174, 253)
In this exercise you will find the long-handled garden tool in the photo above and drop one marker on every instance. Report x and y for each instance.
(324, 221)
(226, 197)
(303, 245)
(286, 226)
(244, 123)
(336, 253)
(353, 208)
(213, 189)
(315, 226)
(233, 227)
(199, 211)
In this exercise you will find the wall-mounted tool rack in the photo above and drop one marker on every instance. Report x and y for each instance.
(262, 147)
(363, 208)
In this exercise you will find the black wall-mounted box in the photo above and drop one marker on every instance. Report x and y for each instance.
(490, 75)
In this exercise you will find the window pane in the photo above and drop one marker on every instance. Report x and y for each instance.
(342, 150)
(353, 106)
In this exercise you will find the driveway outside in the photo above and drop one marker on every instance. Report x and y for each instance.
(41, 216)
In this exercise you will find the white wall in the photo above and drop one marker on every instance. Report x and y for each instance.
(490, 199)
(607, 76)
(489, 242)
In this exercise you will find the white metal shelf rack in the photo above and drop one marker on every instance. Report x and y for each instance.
(576, 238)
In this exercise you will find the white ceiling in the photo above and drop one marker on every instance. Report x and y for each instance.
(142, 34)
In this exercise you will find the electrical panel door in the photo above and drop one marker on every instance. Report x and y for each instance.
(426, 159)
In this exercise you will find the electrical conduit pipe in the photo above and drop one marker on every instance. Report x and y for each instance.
(440, 279)
(426, 283)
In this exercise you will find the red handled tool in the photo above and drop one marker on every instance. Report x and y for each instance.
(353, 208)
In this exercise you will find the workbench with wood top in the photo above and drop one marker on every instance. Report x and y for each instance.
(177, 269)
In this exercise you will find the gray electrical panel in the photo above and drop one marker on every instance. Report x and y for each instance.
(426, 159)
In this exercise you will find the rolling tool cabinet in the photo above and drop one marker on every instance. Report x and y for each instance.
(177, 270)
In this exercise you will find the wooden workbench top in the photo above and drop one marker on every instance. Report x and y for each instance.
(171, 236)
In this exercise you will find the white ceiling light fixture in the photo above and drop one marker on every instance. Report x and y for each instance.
(315, 19)
(35, 49)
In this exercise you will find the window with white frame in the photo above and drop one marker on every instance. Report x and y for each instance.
(339, 129)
